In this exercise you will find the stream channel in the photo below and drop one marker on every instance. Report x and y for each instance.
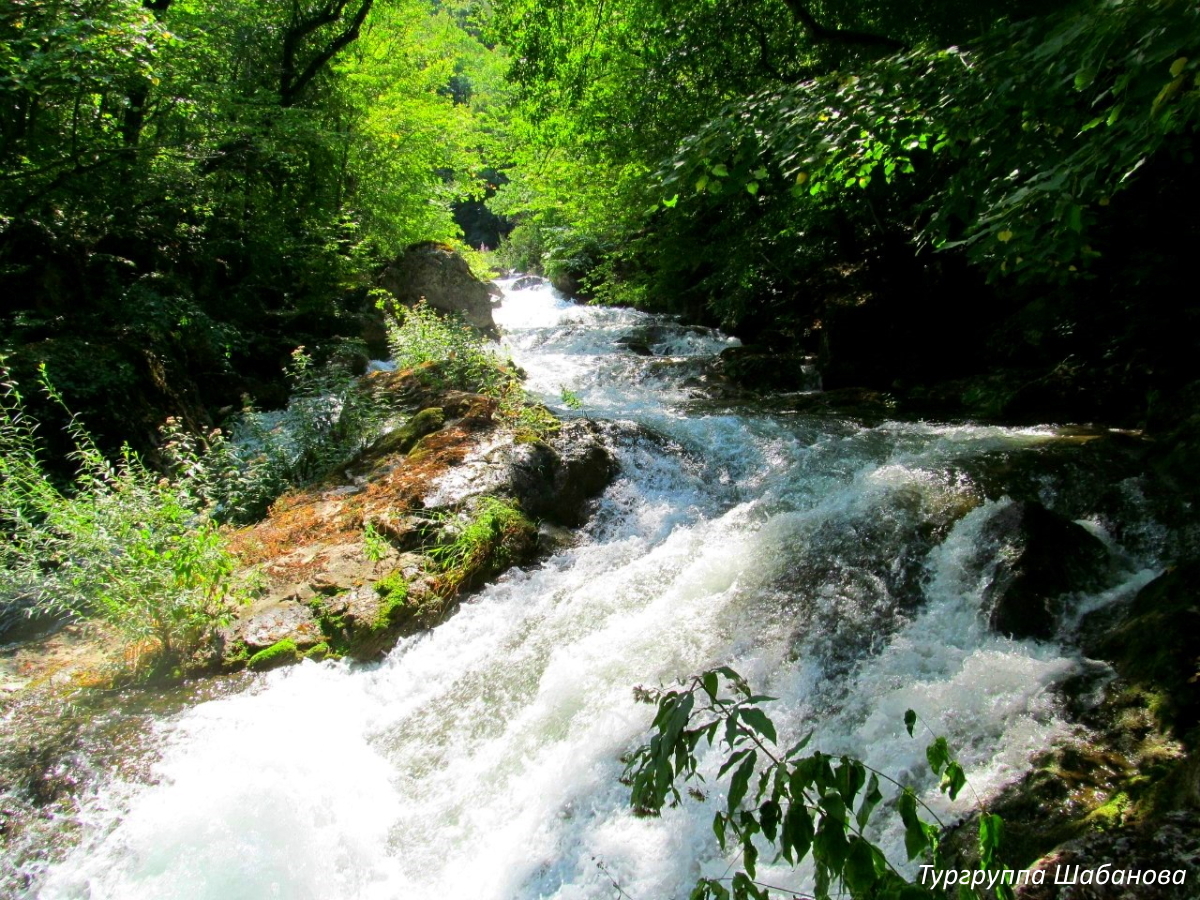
(841, 566)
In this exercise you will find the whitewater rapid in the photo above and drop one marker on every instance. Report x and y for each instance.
(481, 760)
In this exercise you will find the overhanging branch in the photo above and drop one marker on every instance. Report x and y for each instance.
(819, 32)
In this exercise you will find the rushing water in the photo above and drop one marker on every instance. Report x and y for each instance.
(839, 567)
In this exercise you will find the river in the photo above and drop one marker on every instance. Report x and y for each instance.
(839, 566)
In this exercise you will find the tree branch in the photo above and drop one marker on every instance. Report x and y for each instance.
(819, 32)
(292, 85)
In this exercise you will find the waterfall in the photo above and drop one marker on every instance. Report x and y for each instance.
(839, 567)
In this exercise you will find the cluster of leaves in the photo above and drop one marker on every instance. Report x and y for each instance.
(1021, 142)
(329, 419)
(803, 805)
(120, 542)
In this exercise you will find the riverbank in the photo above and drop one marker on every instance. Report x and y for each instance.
(850, 565)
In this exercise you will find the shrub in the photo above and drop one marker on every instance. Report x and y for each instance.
(451, 351)
(119, 542)
(328, 420)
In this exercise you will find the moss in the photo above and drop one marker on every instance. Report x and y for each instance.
(321, 651)
(406, 437)
(393, 594)
(392, 584)
(277, 654)
(1111, 814)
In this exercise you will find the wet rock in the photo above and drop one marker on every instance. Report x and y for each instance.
(443, 278)
(1157, 646)
(637, 347)
(757, 369)
(1045, 556)
(551, 479)
(552, 538)
(525, 282)
(404, 438)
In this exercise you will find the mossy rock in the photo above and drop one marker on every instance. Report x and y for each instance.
(278, 654)
(1157, 646)
(403, 439)
(365, 622)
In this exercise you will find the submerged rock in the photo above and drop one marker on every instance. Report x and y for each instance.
(1046, 556)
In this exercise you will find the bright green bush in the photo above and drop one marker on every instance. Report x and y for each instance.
(120, 542)
(418, 336)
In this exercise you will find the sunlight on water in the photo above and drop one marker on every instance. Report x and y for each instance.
(481, 759)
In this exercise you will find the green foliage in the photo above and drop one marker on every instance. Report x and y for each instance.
(179, 179)
(803, 806)
(490, 540)
(329, 419)
(375, 545)
(570, 399)
(449, 352)
(120, 542)
(1023, 141)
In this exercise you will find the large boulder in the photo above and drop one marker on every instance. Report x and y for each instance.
(442, 277)
(1157, 645)
(551, 479)
(1045, 556)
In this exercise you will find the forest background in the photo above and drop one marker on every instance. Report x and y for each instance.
(983, 210)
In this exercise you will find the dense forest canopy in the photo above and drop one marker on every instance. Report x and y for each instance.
(189, 189)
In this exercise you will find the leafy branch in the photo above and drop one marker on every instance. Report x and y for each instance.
(815, 805)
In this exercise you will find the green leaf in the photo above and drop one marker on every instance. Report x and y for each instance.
(916, 841)
(870, 800)
(1075, 219)
(953, 780)
(733, 760)
(741, 780)
(859, 872)
(760, 722)
(720, 171)
(752, 188)
(799, 746)
(938, 754)
(991, 835)
(709, 679)
(770, 814)
(910, 720)
(797, 835)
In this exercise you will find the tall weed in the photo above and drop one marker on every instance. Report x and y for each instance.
(119, 542)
